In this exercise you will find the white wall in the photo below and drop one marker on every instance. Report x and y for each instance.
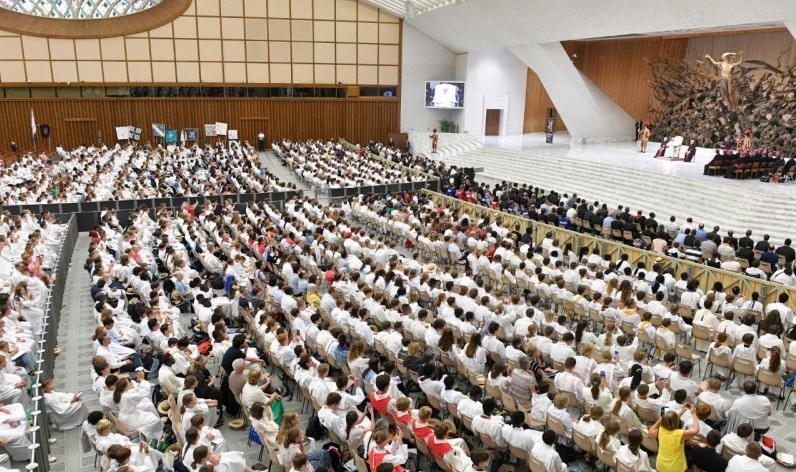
(493, 73)
(422, 59)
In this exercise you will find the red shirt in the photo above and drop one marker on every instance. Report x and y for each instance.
(437, 447)
(422, 431)
(380, 402)
(375, 458)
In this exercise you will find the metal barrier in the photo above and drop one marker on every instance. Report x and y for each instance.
(88, 214)
(45, 354)
(704, 275)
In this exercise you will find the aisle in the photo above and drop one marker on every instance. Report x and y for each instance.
(72, 367)
(270, 161)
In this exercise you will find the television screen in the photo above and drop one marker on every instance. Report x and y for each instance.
(444, 94)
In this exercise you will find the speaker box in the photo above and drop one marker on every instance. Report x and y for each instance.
(45, 131)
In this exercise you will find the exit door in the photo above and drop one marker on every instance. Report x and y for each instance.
(492, 124)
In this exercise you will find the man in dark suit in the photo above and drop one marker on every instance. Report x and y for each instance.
(763, 245)
(733, 239)
(706, 457)
(745, 252)
(743, 241)
(787, 251)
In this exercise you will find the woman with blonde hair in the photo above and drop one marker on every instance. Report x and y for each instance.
(672, 439)
(421, 427)
(559, 411)
(590, 425)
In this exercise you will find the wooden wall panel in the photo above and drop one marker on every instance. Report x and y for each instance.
(536, 104)
(82, 121)
(620, 67)
(768, 46)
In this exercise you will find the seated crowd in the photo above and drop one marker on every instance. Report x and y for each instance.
(330, 165)
(29, 253)
(688, 240)
(500, 336)
(751, 163)
(126, 173)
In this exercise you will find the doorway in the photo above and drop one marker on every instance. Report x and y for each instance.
(492, 123)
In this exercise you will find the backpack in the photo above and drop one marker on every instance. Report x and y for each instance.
(216, 281)
(205, 346)
(315, 429)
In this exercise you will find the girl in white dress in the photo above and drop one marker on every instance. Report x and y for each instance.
(720, 348)
(65, 410)
(210, 437)
(136, 409)
(632, 454)
(233, 461)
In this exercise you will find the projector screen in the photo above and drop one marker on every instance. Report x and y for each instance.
(444, 94)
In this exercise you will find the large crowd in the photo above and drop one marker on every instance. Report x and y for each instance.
(127, 173)
(417, 334)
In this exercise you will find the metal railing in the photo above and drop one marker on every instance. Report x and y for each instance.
(45, 354)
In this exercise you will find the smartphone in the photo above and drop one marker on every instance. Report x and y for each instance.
(79, 394)
(602, 373)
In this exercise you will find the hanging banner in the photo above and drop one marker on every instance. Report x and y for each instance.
(550, 129)
(191, 134)
(221, 129)
(135, 133)
(158, 130)
(122, 132)
(232, 134)
(210, 129)
(171, 135)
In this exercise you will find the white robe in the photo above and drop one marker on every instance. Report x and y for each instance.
(137, 412)
(16, 436)
(64, 414)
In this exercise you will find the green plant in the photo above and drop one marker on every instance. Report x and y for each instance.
(447, 126)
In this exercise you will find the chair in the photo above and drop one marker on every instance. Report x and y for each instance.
(743, 367)
(362, 466)
(647, 414)
(583, 442)
(121, 426)
(622, 467)
(717, 360)
(490, 443)
(555, 425)
(728, 452)
(771, 379)
(686, 352)
(701, 332)
(649, 443)
(535, 465)
(606, 457)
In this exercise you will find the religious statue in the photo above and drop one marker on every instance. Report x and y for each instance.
(725, 67)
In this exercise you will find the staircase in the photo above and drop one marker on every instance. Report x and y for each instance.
(712, 203)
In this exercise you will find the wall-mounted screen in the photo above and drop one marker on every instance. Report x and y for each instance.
(444, 94)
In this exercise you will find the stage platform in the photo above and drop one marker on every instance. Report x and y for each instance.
(617, 174)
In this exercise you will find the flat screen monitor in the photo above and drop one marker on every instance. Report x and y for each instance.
(447, 94)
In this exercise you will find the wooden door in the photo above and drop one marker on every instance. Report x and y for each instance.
(492, 125)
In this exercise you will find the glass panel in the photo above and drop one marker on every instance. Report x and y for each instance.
(42, 92)
(92, 92)
(68, 92)
(18, 92)
(78, 9)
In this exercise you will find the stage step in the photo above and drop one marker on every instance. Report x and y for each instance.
(453, 150)
(713, 203)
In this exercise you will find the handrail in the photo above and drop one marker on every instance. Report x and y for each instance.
(45, 353)
(704, 275)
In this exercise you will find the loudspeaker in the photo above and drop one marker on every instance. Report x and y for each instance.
(45, 131)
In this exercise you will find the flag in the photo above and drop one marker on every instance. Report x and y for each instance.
(33, 125)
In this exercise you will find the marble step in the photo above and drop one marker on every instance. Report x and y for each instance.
(714, 203)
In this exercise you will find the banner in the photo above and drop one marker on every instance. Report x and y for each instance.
(171, 135)
(550, 129)
(191, 134)
(135, 133)
(232, 134)
(158, 130)
(33, 132)
(210, 129)
(122, 133)
(221, 129)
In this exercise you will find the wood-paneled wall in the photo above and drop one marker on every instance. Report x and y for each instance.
(768, 46)
(536, 104)
(81, 121)
(618, 67)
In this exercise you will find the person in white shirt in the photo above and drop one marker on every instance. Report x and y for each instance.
(562, 350)
(568, 381)
(491, 342)
(716, 400)
(545, 452)
(754, 408)
(66, 411)
(516, 435)
(632, 455)
(488, 424)
(749, 462)
(683, 381)
(590, 425)
(471, 406)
